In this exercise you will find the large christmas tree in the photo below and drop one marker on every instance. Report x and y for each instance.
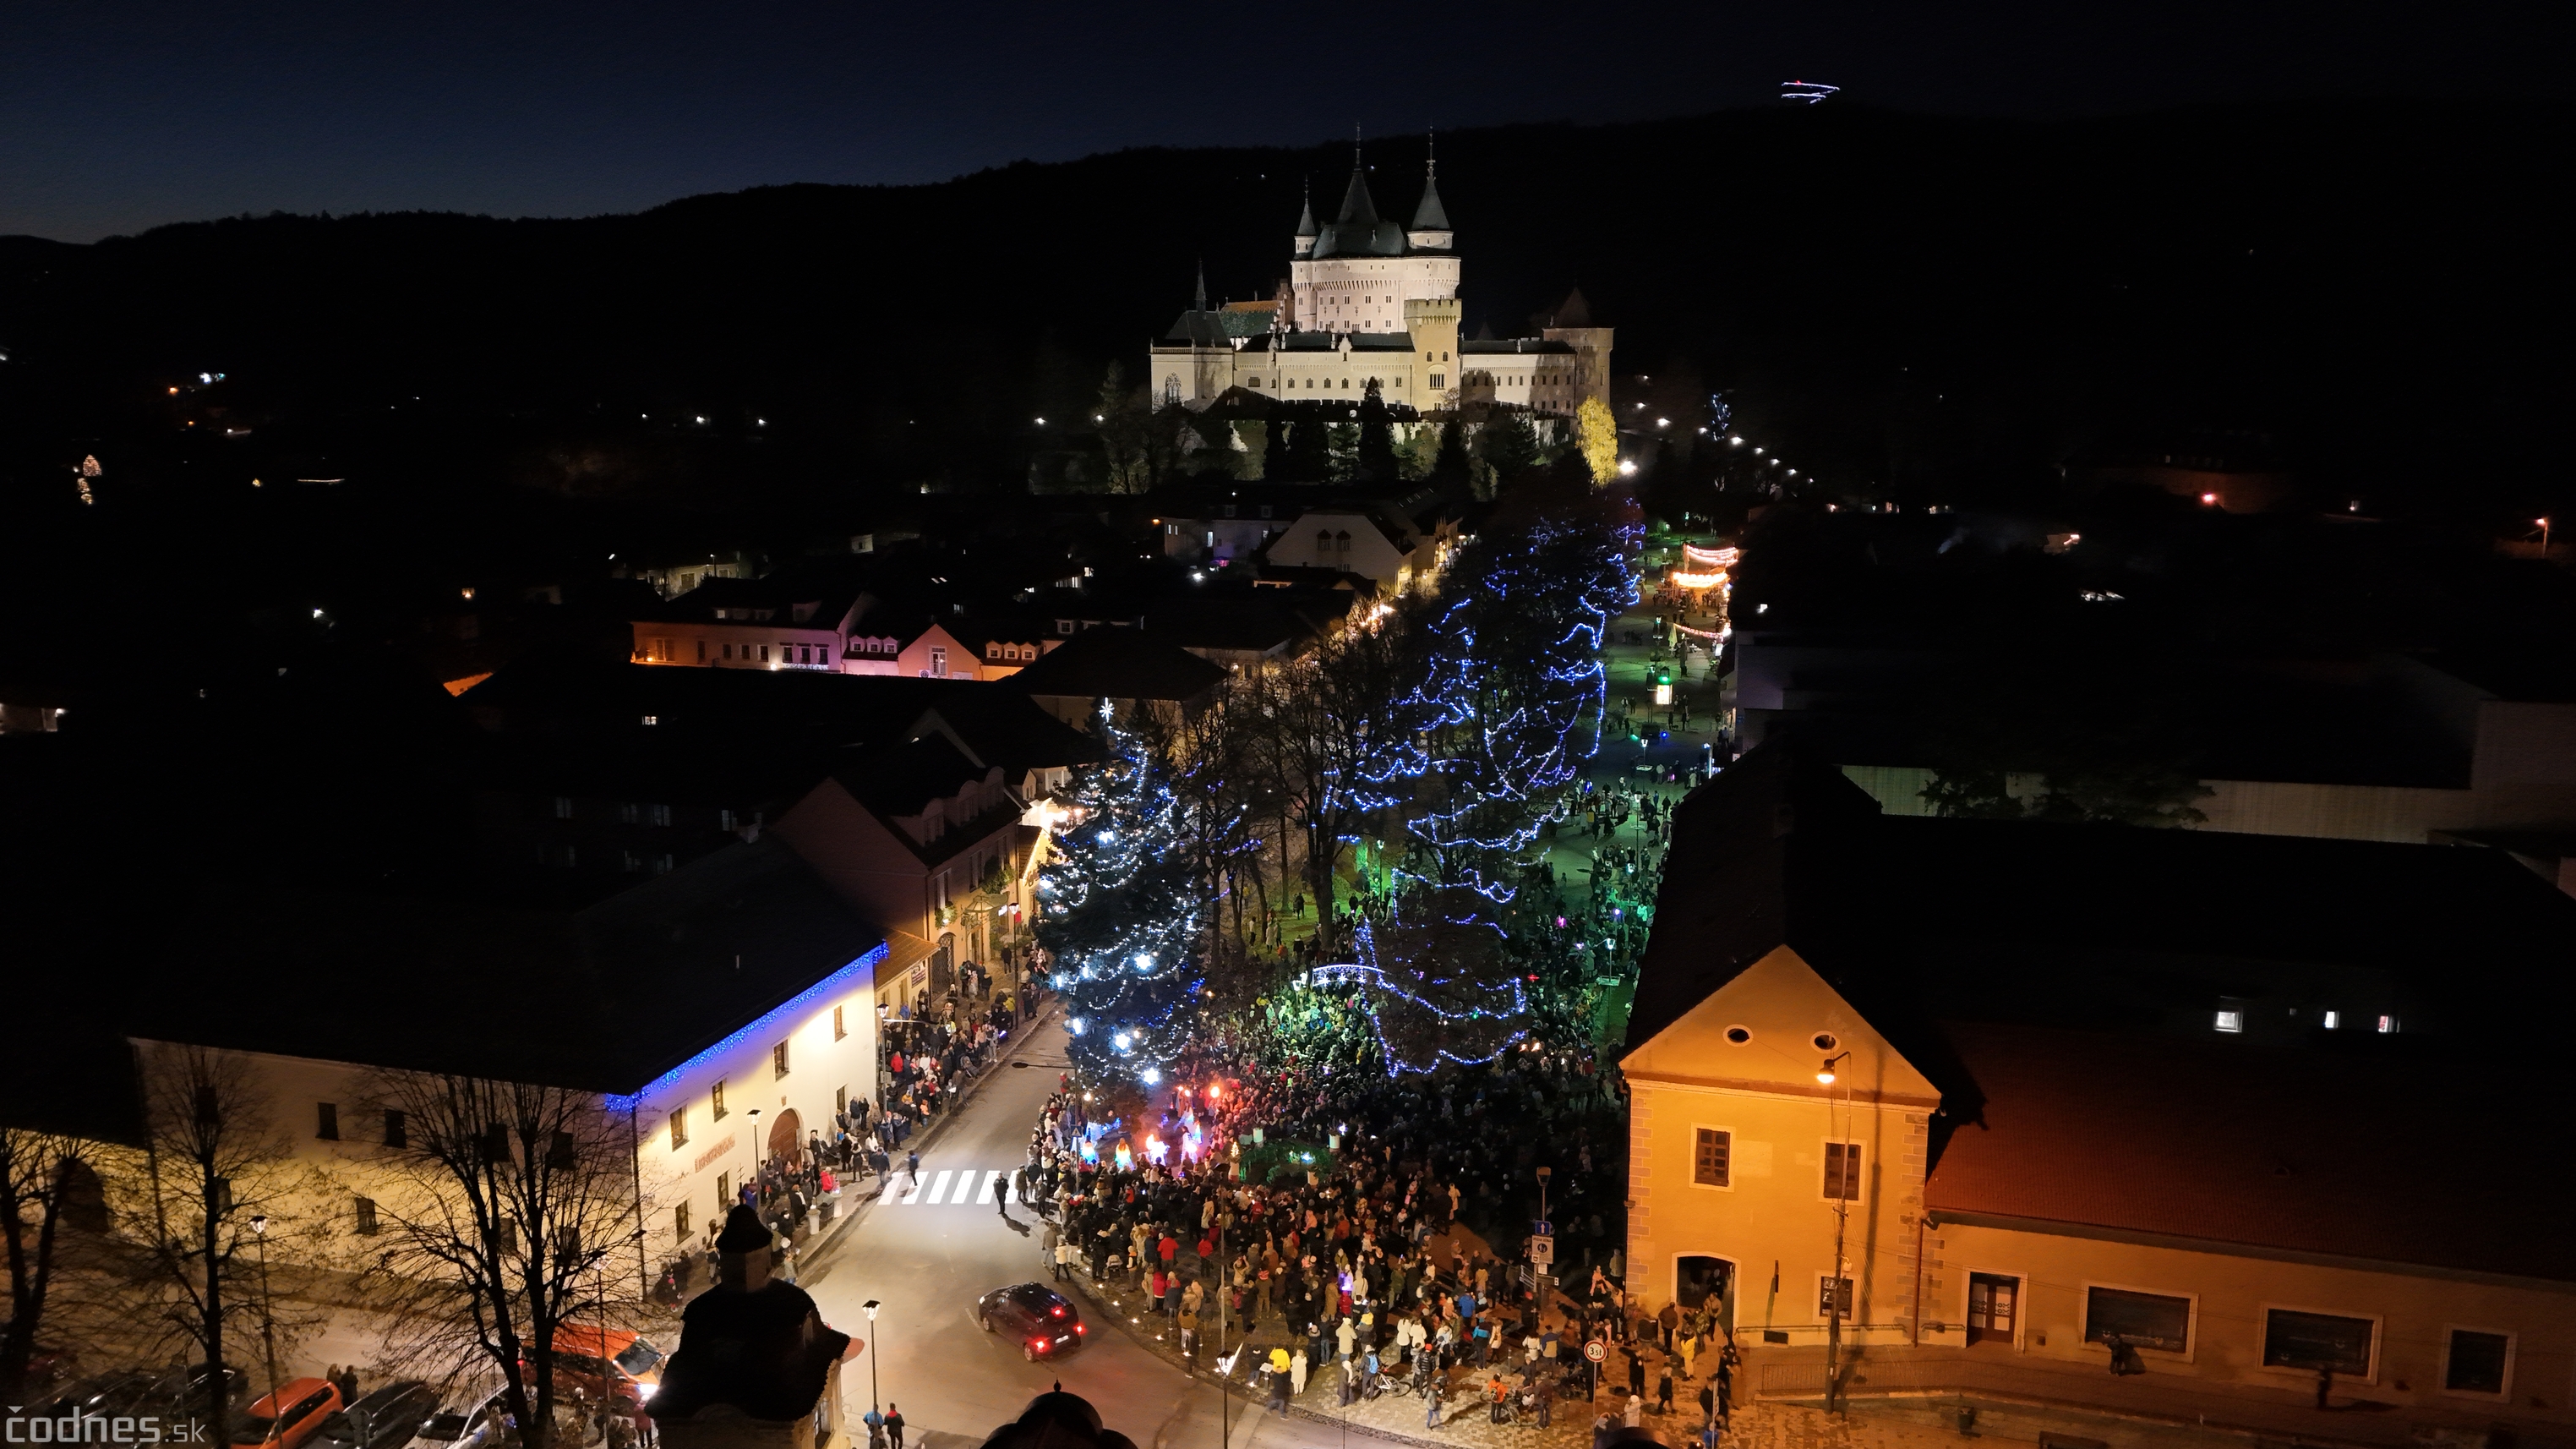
(1118, 911)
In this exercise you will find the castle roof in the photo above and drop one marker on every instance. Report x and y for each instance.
(1359, 232)
(1306, 217)
(1430, 215)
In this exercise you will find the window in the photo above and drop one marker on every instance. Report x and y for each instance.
(1710, 1156)
(778, 1060)
(725, 820)
(652, 719)
(1833, 1297)
(2334, 1019)
(992, 651)
(2388, 1023)
(628, 812)
(2313, 1341)
(724, 1195)
(680, 1221)
(2231, 1021)
(657, 814)
(662, 864)
(1439, 379)
(1842, 1171)
(395, 1135)
(2140, 1320)
(2478, 1363)
(841, 1099)
(679, 1128)
(563, 807)
(938, 661)
(366, 1216)
(719, 1101)
(503, 1236)
(326, 1124)
(702, 651)
(840, 1028)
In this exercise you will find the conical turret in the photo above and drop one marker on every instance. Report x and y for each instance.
(1430, 230)
(1307, 231)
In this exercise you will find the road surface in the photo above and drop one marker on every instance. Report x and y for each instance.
(927, 1255)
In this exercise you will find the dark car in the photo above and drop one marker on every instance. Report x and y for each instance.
(181, 1392)
(384, 1418)
(103, 1396)
(1043, 1320)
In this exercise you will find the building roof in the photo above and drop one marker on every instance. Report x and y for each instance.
(1478, 346)
(608, 998)
(1430, 215)
(901, 780)
(1358, 231)
(2059, 982)
(1114, 663)
(2283, 1148)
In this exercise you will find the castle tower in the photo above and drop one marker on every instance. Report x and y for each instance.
(1430, 230)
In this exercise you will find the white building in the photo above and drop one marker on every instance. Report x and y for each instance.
(1368, 301)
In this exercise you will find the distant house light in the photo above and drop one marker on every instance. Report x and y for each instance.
(2333, 1019)
(2388, 1024)
(2231, 1021)
(652, 719)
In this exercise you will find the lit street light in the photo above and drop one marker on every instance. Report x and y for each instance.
(875, 1413)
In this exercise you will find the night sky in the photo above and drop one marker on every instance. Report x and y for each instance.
(117, 117)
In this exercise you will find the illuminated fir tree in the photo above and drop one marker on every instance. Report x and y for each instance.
(1598, 436)
(1118, 910)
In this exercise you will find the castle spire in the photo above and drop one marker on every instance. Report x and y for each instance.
(1306, 217)
(1430, 216)
(1202, 292)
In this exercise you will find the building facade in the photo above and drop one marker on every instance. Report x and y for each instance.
(1369, 301)
(2085, 1114)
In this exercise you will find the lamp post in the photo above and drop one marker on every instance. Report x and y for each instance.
(1837, 1305)
(267, 1327)
(753, 1180)
(876, 1348)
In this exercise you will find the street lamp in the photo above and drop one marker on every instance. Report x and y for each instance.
(267, 1328)
(876, 1415)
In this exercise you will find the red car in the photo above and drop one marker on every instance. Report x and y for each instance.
(288, 1417)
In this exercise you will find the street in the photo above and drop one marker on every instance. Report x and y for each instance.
(927, 1261)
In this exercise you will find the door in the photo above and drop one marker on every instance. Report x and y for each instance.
(787, 1137)
(1994, 1301)
(1698, 1280)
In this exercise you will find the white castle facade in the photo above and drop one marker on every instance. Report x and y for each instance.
(1368, 300)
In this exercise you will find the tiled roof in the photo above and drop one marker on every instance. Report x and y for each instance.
(2285, 1148)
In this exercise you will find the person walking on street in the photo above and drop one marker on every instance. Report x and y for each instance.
(1664, 1389)
(912, 1165)
(894, 1425)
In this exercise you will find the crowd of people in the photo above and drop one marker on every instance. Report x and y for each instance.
(1373, 1231)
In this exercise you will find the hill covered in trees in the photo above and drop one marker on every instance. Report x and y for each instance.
(1911, 306)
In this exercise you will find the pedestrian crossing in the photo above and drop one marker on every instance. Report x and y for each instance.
(948, 1187)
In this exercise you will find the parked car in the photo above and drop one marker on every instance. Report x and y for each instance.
(481, 1427)
(383, 1418)
(288, 1417)
(1044, 1321)
(100, 1396)
(593, 1364)
(180, 1393)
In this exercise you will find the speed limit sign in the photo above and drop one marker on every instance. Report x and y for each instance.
(1596, 1350)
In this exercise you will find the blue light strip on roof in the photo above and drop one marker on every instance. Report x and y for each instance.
(804, 1001)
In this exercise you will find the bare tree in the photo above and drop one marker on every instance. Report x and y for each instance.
(52, 1213)
(501, 1211)
(1327, 717)
(220, 1168)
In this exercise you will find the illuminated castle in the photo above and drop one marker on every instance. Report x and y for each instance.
(1368, 300)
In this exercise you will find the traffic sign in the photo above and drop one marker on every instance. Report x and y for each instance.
(1543, 1251)
(1596, 1350)
(1542, 1229)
